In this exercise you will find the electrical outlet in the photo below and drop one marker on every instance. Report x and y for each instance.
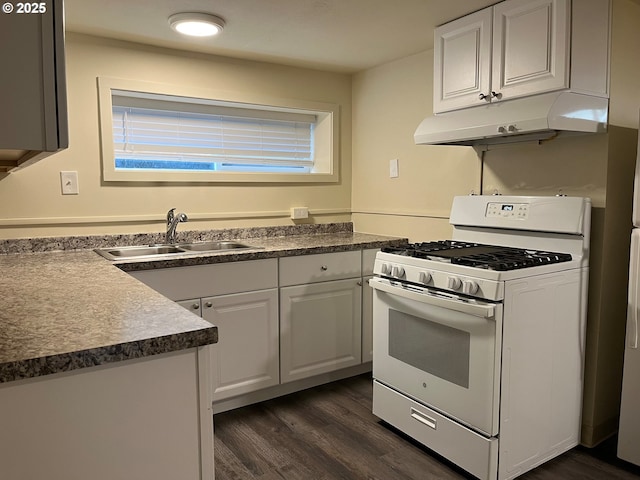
(69, 183)
(299, 212)
(393, 168)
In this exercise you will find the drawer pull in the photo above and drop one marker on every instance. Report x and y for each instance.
(422, 418)
(324, 268)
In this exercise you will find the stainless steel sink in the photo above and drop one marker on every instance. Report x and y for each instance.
(213, 246)
(127, 252)
(163, 251)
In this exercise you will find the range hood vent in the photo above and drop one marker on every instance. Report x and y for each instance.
(538, 117)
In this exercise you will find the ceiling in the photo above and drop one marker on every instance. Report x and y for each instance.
(335, 35)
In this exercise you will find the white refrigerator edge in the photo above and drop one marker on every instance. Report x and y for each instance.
(629, 429)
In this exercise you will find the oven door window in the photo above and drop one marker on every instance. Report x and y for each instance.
(438, 349)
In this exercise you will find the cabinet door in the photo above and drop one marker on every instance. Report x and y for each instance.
(245, 358)
(530, 47)
(32, 86)
(462, 62)
(367, 320)
(320, 328)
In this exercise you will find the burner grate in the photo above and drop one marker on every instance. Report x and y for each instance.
(491, 257)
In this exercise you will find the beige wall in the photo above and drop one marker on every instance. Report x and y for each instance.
(34, 205)
(607, 292)
(388, 104)
(572, 166)
(625, 64)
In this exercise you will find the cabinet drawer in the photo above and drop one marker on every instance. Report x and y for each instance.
(319, 268)
(467, 449)
(198, 281)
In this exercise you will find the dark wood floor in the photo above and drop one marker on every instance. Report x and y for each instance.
(329, 432)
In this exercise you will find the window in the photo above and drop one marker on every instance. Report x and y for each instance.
(151, 136)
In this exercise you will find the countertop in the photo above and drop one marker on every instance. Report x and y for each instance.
(269, 247)
(65, 310)
(61, 311)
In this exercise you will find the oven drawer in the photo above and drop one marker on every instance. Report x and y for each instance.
(467, 449)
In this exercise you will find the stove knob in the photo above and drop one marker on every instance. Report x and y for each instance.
(424, 277)
(385, 269)
(454, 283)
(398, 272)
(469, 287)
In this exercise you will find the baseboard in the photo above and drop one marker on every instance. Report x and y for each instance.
(287, 388)
(592, 435)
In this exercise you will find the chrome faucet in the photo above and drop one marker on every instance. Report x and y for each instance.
(172, 224)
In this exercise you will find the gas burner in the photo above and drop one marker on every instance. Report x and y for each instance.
(490, 257)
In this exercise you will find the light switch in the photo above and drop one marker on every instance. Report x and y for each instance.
(393, 168)
(69, 183)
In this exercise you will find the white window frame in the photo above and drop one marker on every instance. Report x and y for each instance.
(326, 134)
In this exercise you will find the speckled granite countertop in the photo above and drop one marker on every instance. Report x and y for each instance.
(268, 247)
(64, 311)
(70, 309)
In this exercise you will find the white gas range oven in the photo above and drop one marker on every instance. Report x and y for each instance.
(479, 341)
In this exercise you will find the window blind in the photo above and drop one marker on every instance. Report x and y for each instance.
(157, 134)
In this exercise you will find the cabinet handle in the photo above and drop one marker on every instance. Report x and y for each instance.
(359, 283)
(497, 95)
(208, 304)
(324, 268)
(482, 96)
(196, 306)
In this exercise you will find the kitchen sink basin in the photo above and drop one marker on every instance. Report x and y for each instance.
(162, 251)
(213, 246)
(126, 252)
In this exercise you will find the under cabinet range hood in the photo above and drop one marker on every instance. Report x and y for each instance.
(538, 117)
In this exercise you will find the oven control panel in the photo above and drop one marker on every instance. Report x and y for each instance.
(431, 275)
(566, 215)
(508, 210)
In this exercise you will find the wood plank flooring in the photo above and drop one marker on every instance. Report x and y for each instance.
(329, 432)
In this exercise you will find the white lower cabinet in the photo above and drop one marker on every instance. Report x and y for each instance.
(241, 299)
(280, 321)
(320, 328)
(320, 314)
(144, 418)
(246, 357)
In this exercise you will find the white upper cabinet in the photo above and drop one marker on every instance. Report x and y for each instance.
(462, 62)
(33, 101)
(530, 47)
(518, 48)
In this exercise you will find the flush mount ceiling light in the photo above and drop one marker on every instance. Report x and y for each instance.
(196, 24)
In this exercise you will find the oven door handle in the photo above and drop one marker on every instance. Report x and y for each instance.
(424, 296)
